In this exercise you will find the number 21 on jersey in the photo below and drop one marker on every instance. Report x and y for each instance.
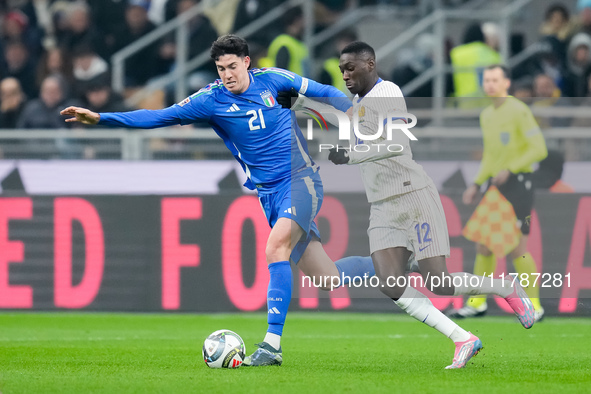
(254, 117)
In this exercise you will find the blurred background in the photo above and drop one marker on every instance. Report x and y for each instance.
(118, 55)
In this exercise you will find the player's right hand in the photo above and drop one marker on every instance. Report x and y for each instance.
(338, 156)
(470, 195)
(81, 115)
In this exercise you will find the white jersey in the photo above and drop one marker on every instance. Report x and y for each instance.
(385, 175)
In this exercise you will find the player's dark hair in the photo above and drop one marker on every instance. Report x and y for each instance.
(358, 48)
(229, 44)
(505, 69)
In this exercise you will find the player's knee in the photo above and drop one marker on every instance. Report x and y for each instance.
(329, 282)
(391, 288)
(440, 283)
(277, 251)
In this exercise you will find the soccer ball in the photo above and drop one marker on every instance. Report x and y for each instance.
(223, 349)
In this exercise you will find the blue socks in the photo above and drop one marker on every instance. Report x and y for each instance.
(278, 295)
(355, 266)
(281, 282)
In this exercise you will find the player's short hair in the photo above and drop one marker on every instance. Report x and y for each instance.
(229, 44)
(358, 48)
(505, 69)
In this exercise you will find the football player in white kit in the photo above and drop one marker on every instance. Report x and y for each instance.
(406, 216)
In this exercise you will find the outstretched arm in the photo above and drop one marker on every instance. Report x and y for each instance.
(140, 119)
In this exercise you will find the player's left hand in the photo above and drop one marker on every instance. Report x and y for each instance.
(338, 156)
(287, 98)
(501, 178)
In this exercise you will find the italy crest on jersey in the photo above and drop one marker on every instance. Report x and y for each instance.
(268, 98)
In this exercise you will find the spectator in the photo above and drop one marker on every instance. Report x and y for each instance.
(80, 30)
(108, 16)
(201, 34)
(250, 10)
(55, 61)
(584, 22)
(287, 50)
(157, 11)
(15, 27)
(492, 35)
(44, 112)
(547, 94)
(557, 23)
(414, 61)
(41, 13)
(19, 64)
(578, 62)
(12, 102)
(469, 61)
(87, 67)
(523, 90)
(549, 59)
(328, 12)
(100, 98)
(139, 68)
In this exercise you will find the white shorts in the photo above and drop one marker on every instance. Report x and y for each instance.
(414, 220)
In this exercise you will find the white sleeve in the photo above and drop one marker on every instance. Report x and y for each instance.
(378, 150)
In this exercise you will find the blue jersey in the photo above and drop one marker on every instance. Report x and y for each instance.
(262, 136)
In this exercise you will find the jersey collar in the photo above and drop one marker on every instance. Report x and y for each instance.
(378, 81)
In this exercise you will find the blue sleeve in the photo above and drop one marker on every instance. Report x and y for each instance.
(312, 89)
(333, 96)
(190, 110)
(141, 119)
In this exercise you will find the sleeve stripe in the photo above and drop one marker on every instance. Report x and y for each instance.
(273, 70)
(533, 132)
(304, 87)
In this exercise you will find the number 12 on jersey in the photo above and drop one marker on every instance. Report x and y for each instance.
(426, 228)
(254, 117)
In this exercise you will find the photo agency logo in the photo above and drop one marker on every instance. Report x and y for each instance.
(365, 138)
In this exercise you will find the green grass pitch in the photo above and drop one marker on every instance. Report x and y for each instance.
(323, 353)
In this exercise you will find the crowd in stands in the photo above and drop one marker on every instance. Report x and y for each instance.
(55, 53)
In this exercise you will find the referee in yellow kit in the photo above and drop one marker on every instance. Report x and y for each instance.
(513, 142)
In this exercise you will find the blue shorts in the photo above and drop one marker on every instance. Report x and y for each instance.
(298, 199)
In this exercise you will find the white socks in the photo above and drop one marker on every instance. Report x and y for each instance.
(273, 340)
(469, 284)
(418, 306)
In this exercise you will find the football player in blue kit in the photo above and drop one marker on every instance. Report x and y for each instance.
(242, 109)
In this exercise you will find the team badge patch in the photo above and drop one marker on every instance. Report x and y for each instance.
(268, 98)
(361, 112)
(185, 101)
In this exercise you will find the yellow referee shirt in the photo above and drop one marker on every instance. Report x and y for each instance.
(512, 140)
